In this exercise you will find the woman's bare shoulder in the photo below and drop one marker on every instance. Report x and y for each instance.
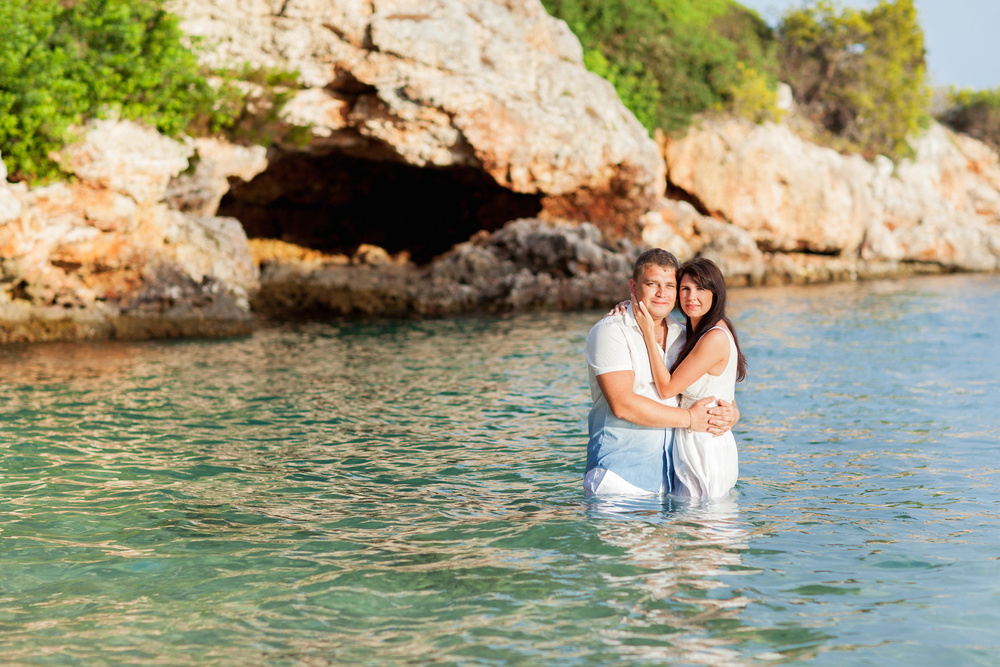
(716, 336)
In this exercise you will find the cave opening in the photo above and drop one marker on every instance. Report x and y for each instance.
(334, 203)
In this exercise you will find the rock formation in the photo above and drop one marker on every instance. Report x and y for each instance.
(451, 156)
(428, 123)
(429, 103)
(103, 257)
(775, 208)
(528, 264)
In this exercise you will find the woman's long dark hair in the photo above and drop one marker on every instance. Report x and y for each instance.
(707, 275)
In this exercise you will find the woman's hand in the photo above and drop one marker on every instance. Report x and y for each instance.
(644, 319)
(619, 308)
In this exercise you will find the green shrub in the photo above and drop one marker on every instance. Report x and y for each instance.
(754, 97)
(670, 59)
(638, 89)
(64, 62)
(976, 113)
(253, 98)
(858, 74)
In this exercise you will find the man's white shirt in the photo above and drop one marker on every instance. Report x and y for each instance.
(616, 344)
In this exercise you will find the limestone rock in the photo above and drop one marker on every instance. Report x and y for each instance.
(199, 190)
(789, 194)
(528, 264)
(498, 86)
(104, 256)
(941, 207)
(125, 157)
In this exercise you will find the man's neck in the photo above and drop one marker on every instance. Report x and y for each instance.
(661, 333)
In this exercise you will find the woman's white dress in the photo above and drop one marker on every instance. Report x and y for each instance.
(707, 466)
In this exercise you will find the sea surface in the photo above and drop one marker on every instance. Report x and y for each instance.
(408, 493)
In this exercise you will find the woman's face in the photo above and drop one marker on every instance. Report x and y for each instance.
(695, 301)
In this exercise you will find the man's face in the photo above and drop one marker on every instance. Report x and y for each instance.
(657, 289)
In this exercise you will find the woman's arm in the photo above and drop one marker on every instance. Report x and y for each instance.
(661, 375)
(711, 350)
(630, 406)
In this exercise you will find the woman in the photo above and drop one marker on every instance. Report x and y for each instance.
(710, 364)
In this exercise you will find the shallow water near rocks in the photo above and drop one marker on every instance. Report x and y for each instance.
(409, 493)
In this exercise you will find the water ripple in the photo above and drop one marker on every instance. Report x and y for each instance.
(383, 493)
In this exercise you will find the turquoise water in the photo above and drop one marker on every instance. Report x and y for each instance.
(408, 493)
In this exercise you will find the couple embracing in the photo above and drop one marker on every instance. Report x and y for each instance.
(662, 391)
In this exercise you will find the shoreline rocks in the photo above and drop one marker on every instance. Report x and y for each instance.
(775, 208)
(536, 188)
(103, 257)
(529, 264)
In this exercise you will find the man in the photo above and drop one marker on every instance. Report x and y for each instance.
(631, 428)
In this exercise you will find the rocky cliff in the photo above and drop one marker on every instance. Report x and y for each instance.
(771, 207)
(458, 157)
(104, 256)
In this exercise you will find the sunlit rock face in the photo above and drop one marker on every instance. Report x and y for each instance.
(490, 97)
(814, 214)
(103, 256)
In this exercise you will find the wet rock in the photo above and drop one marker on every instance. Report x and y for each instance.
(528, 264)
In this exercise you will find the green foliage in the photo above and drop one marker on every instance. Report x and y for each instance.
(253, 98)
(859, 74)
(754, 97)
(976, 113)
(638, 89)
(670, 59)
(65, 62)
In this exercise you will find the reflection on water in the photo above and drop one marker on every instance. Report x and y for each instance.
(683, 560)
(377, 493)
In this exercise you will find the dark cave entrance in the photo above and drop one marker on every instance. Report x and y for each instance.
(334, 203)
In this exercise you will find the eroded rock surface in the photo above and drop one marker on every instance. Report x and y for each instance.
(103, 256)
(493, 86)
(775, 208)
(529, 264)
(459, 158)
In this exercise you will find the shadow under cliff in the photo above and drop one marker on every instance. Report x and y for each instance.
(334, 203)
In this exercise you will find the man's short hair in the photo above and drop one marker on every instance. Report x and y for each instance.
(654, 257)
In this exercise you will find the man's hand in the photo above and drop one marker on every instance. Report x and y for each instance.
(701, 417)
(724, 416)
(715, 420)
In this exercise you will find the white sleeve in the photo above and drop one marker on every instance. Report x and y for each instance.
(607, 349)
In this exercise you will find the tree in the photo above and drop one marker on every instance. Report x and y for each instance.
(976, 113)
(64, 62)
(858, 74)
(670, 59)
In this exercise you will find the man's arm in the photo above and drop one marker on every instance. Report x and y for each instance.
(626, 404)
